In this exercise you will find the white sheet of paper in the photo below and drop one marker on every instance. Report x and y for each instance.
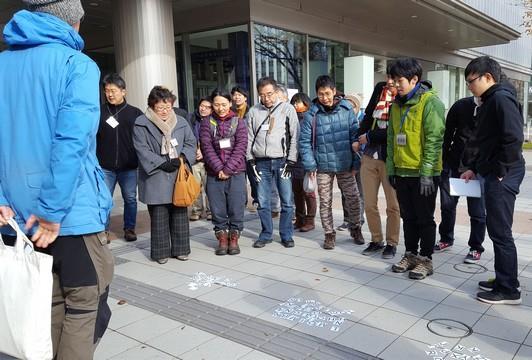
(459, 187)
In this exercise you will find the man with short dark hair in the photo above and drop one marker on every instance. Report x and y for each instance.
(115, 150)
(327, 132)
(413, 162)
(50, 179)
(273, 132)
(499, 162)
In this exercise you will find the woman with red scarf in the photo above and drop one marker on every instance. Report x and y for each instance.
(224, 140)
(372, 143)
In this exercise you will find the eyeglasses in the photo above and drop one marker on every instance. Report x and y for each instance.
(469, 82)
(162, 108)
(267, 95)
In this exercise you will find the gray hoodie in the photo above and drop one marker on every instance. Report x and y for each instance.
(267, 136)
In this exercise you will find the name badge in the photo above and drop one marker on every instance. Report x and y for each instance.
(265, 127)
(225, 143)
(174, 142)
(111, 121)
(401, 139)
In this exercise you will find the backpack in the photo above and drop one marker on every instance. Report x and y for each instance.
(232, 129)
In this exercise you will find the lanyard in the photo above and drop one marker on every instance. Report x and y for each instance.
(403, 118)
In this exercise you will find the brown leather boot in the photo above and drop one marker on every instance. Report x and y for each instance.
(223, 240)
(234, 249)
(330, 241)
(300, 222)
(309, 224)
(357, 236)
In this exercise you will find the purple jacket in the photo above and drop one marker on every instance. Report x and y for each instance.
(231, 160)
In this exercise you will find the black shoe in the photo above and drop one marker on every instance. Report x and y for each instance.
(288, 243)
(497, 297)
(373, 247)
(489, 285)
(162, 261)
(389, 252)
(261, 243)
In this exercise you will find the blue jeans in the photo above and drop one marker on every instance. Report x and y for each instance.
(127, 180)
(475, 208)
(270, 171)
(227, 199)
(500, 202)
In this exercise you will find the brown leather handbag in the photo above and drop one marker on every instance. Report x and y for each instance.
(186, 189)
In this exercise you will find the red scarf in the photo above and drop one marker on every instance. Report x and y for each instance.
(382, 109)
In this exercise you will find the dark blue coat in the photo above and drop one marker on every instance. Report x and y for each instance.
(336, 130)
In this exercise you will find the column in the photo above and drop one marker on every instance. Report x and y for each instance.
(143, 33)
(441, 83)
(358, 76)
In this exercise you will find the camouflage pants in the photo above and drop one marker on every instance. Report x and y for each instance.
(348, 187)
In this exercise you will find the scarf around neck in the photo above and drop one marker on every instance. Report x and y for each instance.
(166, 127)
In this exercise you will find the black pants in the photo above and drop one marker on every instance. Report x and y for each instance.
(475, 208)
(500, 202)
(170, 236)
(417, 212)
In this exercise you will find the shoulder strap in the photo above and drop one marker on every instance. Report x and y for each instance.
(256, 131)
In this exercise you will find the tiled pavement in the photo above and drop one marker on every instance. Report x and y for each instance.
(390, 313)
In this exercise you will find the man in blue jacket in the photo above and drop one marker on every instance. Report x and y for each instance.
(327, 132)
(50, 180)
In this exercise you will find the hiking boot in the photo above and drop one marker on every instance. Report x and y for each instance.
(408, 262)
(490, 285)
(357, 236)
(261, 243)
(343, 227)
(373, 247)
(129, 235)
(233, 249)
(330, 241)
(309, 224)
(442, 246)
(422, 270)
(497, 297)
(472, 257)
(300, 221)
(389, 252)
(223, 242)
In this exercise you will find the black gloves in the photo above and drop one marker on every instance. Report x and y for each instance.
(170, 165)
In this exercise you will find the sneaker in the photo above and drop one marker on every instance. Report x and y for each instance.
(422, 270)
(288, 243)
(373, 247)
(408, 262)
(261, 243)
(442, 246)
(490, 284)
(343, 227)
(472, 257)
(129, 235)
(389, 252)
(497, 297)
(194, 217)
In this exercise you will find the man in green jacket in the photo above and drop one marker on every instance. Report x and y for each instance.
(414, 163)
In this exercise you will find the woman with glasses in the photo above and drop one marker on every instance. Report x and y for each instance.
(224, 141)
(161, 138)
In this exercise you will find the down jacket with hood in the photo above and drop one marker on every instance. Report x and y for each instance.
(326, 137)
(49, 96)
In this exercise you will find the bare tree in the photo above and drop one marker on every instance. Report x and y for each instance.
(527, 16)
(281, 50)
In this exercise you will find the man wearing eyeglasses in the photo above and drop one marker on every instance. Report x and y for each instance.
(273, 132)
(499, 162)
(115, 149)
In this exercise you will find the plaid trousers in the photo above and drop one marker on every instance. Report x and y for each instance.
(348, 187)
(170, 236)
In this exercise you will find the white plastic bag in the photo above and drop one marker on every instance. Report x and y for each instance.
(309, 185)
(25, 300)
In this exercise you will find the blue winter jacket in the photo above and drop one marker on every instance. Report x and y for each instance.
(49, 101)
(335, 132)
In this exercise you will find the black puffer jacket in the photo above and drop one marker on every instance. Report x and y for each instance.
(114, 147)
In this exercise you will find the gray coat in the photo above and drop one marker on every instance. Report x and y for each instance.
(155, 185)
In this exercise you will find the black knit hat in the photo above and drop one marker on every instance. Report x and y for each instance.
(241, 90)
(70, 11)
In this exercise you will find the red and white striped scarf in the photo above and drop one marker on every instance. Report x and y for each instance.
(382, 110)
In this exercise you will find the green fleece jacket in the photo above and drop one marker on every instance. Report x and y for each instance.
(421, 119)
